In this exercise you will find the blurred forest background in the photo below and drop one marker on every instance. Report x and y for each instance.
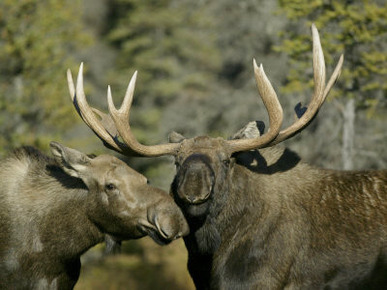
(195, 77)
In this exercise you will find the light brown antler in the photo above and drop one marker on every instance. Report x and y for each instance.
(117, 123)
(266, 91)
(121, 120)
(274, 109)
(321, 90)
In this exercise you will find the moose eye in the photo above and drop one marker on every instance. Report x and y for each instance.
(110, 187)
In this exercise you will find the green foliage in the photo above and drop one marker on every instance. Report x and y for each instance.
(355, 28)
(173, 50)
(36, 38)
(167, 43)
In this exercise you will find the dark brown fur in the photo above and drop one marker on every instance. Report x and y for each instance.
(273, 222)
(54, 209)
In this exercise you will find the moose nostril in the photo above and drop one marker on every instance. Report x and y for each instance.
(191, 199)
(162, 230)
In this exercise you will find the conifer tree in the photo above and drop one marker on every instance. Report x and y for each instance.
(37, 39)
(173, 48)
(355, 28)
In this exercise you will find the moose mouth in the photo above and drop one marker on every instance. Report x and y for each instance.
(197, 209)
(197, 200)
(156, 232)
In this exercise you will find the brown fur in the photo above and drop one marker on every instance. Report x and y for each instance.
(54, 209)
(273, 222)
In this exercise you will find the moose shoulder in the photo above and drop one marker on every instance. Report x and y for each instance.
(54, 209)
(259, 217)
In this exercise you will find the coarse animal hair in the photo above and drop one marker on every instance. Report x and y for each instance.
(53, 209)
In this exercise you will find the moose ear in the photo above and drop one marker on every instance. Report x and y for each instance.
(72, 161)
(175, 137)
(253, 129)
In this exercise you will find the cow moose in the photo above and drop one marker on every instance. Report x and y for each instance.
(52, 210)
(259, 217)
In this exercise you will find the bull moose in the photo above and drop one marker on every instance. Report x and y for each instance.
(259, 217)
(52, 210)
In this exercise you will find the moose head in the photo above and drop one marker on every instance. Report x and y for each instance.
(52, 210)
(121, 202)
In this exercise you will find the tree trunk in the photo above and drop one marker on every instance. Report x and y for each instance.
(348, 134)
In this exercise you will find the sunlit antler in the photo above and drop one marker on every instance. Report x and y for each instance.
(274, 110)
(121, 120)
(109, 126)
(321, 90)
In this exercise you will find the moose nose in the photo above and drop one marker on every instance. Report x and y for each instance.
(169, 221)
(192, 199)
(171, 229)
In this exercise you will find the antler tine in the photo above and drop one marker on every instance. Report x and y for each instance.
(274, 109)
(121, 120)
(127, 102)
(71, 86)
(335, 75)
(270, 100)
(87, 113)
(319, 73)
(321, 90)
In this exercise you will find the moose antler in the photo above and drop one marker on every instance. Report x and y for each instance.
(266, 91)
(121, 120)
(274, 109)
(320, 90)
(116, 124)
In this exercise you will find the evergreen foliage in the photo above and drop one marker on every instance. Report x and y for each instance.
(356, 28)
(36, 38)
(173, 49)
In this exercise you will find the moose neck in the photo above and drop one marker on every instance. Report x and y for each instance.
(74, 223)
(66, 217)
(207, 230)
(247, 189)
(64, 203)
(226, 220)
